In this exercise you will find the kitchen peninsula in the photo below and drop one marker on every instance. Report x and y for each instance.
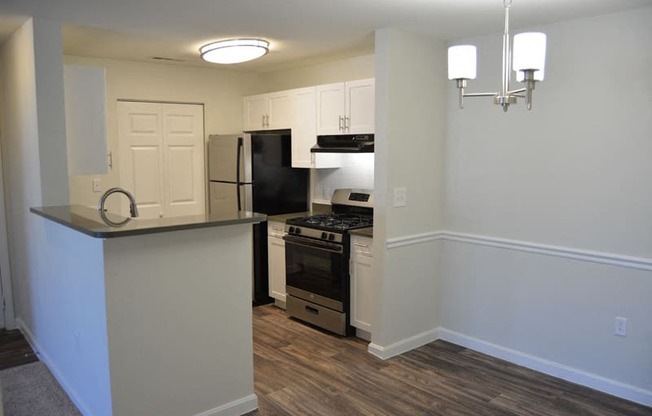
(153, 316)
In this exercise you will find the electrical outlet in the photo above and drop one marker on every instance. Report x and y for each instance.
(620, 326)
(400, 197)
(97, 185)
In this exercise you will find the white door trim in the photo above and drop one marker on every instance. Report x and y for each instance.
(6, 293)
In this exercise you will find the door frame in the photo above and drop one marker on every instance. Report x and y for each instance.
(6, 292)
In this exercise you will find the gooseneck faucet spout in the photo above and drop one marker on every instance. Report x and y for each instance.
(133, 209)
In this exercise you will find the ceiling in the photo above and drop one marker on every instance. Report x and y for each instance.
(300, 31)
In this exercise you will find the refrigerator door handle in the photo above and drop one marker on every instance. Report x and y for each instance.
(237, 172)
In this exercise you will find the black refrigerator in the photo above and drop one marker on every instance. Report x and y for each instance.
(253, 172)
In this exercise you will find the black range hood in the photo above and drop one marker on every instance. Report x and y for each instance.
(344, 143)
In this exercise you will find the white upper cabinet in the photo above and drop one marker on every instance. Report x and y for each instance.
(304, 132)
(267, 111)
(346, 108)
(360, 106)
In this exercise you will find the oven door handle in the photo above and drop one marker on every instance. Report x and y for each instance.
(320, 245)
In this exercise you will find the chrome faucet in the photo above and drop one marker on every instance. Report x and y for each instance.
(133, 209)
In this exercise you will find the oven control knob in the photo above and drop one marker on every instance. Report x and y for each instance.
(331, 236)
(291, 230)
(324, 236)
(297, 230)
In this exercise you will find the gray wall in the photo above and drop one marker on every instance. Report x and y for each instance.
(550, 209)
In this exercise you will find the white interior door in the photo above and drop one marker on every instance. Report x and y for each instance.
(184, 186)
(162, 157)
(141, 156)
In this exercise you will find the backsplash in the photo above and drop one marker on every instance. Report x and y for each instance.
(357, 171)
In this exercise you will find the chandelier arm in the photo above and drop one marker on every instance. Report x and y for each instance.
(480, 94)
(514, 92)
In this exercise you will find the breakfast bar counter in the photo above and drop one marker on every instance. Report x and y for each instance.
(89, 221)
(153, 317)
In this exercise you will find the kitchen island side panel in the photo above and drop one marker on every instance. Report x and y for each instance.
(68, 326)
(179, 322)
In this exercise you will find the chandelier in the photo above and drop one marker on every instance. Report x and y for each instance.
(528, 61)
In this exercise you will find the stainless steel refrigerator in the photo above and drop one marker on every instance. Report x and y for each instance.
(253, 172)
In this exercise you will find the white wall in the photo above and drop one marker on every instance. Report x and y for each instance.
(356, 171)
(35, 172)
(24, 167)
(410, 135)
(220, 91)
(570, 179)
(349, 69)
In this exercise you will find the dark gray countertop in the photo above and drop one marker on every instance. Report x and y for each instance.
(284, 217)
(89, 221)
(365, 232)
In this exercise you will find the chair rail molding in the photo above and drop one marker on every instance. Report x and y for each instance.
(613, 259)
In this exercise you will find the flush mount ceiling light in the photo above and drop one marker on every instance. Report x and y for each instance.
(234, 51)
(528, 61)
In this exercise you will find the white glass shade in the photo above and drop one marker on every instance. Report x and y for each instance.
(234, 51)
(462, 62)
(529, 53)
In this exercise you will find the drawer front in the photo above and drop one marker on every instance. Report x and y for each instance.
(361, 245)
(317, 315)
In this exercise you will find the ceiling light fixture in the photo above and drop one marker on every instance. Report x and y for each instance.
(528, 61)
(234, 51)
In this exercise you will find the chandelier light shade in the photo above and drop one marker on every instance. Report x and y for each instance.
(529, 53)
(234, 51)
(462, 62)
(527, 58)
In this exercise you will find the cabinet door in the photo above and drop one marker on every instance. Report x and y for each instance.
(304, 119)
(255, 112)
(276, 264)
(360, 106)
(279, 114)
(330, 109)
(362, 291)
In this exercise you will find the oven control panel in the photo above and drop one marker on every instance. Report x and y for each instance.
(314, 233)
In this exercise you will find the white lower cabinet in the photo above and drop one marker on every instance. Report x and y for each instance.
(362, 282)
(276, 259)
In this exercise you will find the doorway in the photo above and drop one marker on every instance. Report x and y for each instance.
(162, 157)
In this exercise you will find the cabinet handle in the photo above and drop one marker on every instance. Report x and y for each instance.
(347, 123)
(263, 123)
(267, 116)
(361, 245)
(340, 124)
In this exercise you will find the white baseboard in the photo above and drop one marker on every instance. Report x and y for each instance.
(43, 356)
(235, 408)
(573, 375)
(404, 345)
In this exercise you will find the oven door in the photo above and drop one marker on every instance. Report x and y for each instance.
(315, 271)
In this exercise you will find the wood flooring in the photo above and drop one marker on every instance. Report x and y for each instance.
(301, 370)
(14, 349)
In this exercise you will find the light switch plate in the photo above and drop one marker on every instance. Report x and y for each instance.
(97, 185)
(400, 197)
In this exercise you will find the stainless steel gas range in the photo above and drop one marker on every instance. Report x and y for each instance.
(317, 260)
